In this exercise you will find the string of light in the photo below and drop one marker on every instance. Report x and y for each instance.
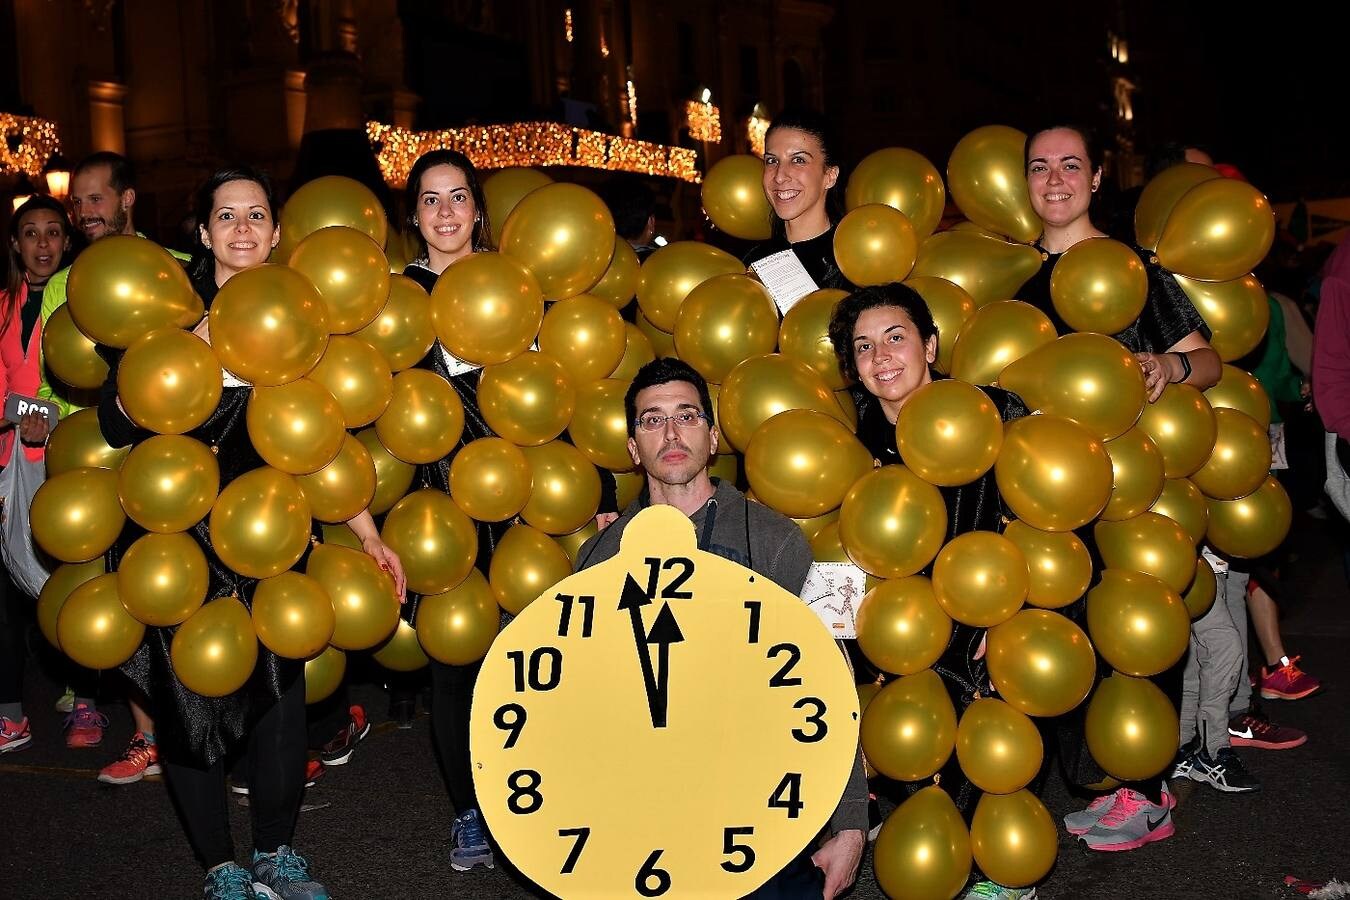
(28, 143)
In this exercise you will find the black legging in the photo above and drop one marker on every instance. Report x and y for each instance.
(276, 778)
(451, 698)
(13, 623)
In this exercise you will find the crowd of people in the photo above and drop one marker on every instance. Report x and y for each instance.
(886, 343)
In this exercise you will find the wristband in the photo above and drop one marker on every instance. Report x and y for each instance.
(1185, 367)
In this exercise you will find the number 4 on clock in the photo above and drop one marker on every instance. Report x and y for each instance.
(788, 795)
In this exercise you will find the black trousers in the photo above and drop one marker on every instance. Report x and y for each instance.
(451, 698)
(13, 649)
(275, 765)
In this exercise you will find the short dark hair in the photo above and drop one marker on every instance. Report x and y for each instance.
(663, 371)
(1094, 150)
(631, 203)
(1169, 154)
(121, 173)
(815, 124)
(846, 314)
(204, 200)
(482, 229)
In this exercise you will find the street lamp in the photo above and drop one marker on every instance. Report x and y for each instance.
(57, 175)
(23, 192)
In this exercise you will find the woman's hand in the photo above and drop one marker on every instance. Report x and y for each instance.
(379, 551)
(1160, 370)
(34, 428)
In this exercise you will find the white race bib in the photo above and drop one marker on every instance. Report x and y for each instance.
(834, 591)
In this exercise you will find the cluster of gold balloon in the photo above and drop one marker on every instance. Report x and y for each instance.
(1158, 478)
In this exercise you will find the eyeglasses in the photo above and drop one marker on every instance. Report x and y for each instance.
(685, 418)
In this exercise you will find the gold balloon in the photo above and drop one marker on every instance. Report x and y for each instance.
(330, 200)
(805, 335)
(901, 628)
(1000, 333)
(1202, 592)
(1182, 502)
(70, 355)
(985, 268)
(1236, 311)
(528, 400)
(1161, 194)
(725, 468)
(162, 578)
(669, 274)
(358, 378)
(169, 381)
(435, 541)
(1183, 426)
(585, 334)
(875, 244)
(350, 272)
(503, 189)
(526, 563)
(324, 674)
(826, 545)
(124, 286)
(77, 441)
(1089, 378)
(168, 483)
(1252, 526)
(629, 485)
(816, 524)
(76, 516)
(724, 446)
(1136, 473)
(999, 748)
(723, 322)
(892, 522)
(292, 615)
(949, 432)
(393, 476)
(923, 850)
(565, 488)
(572, 543)
(1041, 663)
(214, 652)
(1058, 563)
(94, 628)
(1099, 285)
(849, 407)
(295, 427)
(987, 175)
(733, 197)
(1241, 457)
(903, 180)
(1218, 230)
(340, 534)
(1054, 473)
(1149, 543)
(345, 487)
(1013, 839)
(424, 419)
(402, 330)
(637, 352)
(762, 387)
(802, 462)
(619, 285)
(599, 426)
(490, 479)
(401, 652)
(396, 252)
(564, 234)
(662, 342)
(950, 307)
(458, 626)
(365, 606)
(268, 325)
(57, 588)
(1236, 390)
(909, 729)
(1131, 728)
(486, 308)
(980, 578)
(1137, 622)
(260, 523)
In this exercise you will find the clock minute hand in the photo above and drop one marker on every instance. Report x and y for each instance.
(665, 631)
(633, 599)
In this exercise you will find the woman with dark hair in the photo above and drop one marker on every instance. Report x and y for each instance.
(886, 341)
(237, 230)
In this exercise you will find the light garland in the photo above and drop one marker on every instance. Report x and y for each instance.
(704, 121)
(38, 140)
(756, 127)
(529, 144)
(567, 24)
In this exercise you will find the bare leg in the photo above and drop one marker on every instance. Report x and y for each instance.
(145, 724)
(1266, 622)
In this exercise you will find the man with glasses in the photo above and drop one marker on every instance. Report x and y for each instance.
(671, 436)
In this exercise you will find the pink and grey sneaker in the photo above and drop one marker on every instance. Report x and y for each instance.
(1253, 729)
(84, 727)
(14, 735)
(1130, 823)
(1287, 681)
(1081, 822)
(141, 758)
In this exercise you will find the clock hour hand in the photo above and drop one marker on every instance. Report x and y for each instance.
(665, 631)
(633, 599)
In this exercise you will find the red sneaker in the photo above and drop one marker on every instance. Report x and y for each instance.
(1253, 729)
(340, 749)
(313, 772)
(1287, 681)
(14, 735)
(141, 758)
(84, 727)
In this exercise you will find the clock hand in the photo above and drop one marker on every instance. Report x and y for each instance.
(633, 599)
(665, 631)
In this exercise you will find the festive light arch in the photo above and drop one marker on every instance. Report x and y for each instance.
(28, 142)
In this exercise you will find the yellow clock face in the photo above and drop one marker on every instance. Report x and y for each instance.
(665, 723)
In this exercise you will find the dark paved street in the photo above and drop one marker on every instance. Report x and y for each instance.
(378, 827)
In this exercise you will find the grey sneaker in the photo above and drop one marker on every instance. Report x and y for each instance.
(1223, 771)
(228, 882)
(1082, 821)
(471, 844)
(1131, 823)
(284, 875)
(1185, 759)
(992, 890)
